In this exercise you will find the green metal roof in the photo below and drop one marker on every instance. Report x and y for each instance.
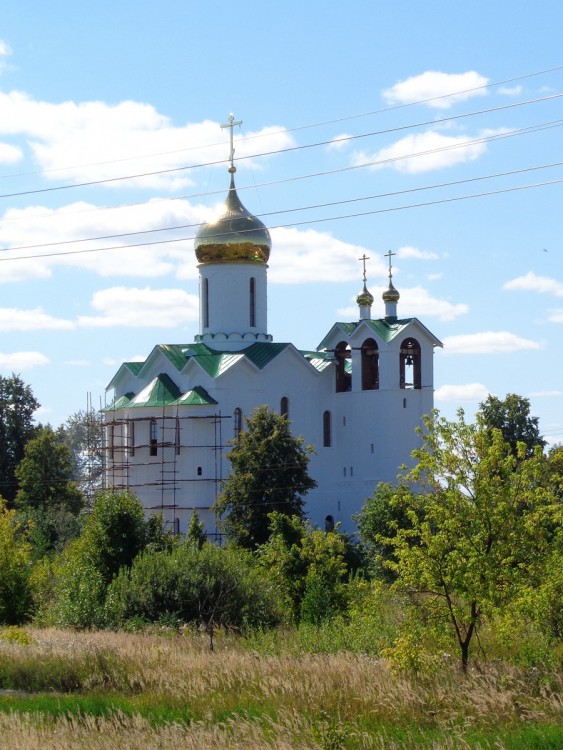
(120, 402)
(319, 360)
(198, 396)
(161, 391)
(385, 329)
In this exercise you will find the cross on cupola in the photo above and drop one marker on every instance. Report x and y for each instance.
(390, 295)
(364, 298)
(231, 124)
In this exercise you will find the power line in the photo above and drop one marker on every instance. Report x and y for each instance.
(289, 149)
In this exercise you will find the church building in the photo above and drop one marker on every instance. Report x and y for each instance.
(357, 397)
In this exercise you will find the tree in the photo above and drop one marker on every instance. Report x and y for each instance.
(44, 475)
(15, 568)
(83, 434)
(17, 406)
(511, 416)
(269, 473)
(478, 525)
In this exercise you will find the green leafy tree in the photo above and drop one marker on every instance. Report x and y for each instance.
(17, 406)
(478, 525)
(196, 531)
(512, 417)
(269, 473)
(308, 565)
(115, 532)
(15, 568)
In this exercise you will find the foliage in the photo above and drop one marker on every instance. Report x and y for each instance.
(15, 634)
(44, 475)
(196, 531)
(15, 565)
(83, 434)
(114, 534)
(17, 405)
(308, 565)
(478, 530)
(512, 417)
(50, 529)
(269, 473)
(206, 585)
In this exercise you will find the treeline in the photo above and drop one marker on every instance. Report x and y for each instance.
(464, 555)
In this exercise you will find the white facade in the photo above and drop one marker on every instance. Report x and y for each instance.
(356, 399)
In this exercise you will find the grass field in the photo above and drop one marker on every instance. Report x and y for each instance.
(122, 691)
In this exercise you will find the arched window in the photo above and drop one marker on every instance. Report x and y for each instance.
(177, 436)
(342, 354)
(409, 364)
(131, 437)
(237, 422)
(370, 365)
(329, 523)
(284, 406)
(252, 302)
(153, 451)
(327, 436)
(205, 292)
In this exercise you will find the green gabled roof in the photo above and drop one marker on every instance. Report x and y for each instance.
(262, 353)
(120, 402)
(176, 353)
(198, 396)
(385, 329)
(161, 391)
(215, 362)
(319, 360)
(134, 367)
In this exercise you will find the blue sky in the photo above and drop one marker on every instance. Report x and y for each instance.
(357, 119)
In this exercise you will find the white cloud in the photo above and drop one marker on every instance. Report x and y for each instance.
(22, 361)
(454, 87)
(532, 283)
(14, 319)
(413, 253)
(115, 138)
(555, 316)
(416, 302)
(423, 152)
(142, 308)
(5, 51)
(10, 154)
(339, 142)
(301, 256)
(456, 393)
(509, 90)
(487, 342)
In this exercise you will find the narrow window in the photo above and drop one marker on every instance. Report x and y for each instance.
(372, 448)
(404, 403)
(237, 422)
(284, 407)
(252, 302)
(110, 437)
(327, 437)
(351, 471)
(344, 471)
(409, 364)
(131, 437)
(342, 355)
(199, 471)
(153, 451)
(370, 365)
(177, 436)
(329, 523)
(176, 526)
(206, 303)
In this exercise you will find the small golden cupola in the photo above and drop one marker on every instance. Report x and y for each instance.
(364, 299)
(390, 296)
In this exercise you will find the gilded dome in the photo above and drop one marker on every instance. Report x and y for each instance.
(365, 298)
(235, 237)
(391, 294)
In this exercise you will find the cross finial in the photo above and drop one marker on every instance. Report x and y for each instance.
(363, 259)
(389, 255)
(231, 124)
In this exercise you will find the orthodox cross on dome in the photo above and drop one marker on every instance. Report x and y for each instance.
(231, 124)
(389, 255)
(363, 259)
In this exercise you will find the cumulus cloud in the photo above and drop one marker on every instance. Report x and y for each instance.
(10, 154)
(128, 138)
(488, 342)
(416, 302)
(339, 142)
(413, 253)
(141, 308)
(457, 393)
(555, 316)
(18, 361)
(436, 89)
(14, 319)
(533, 283)
(509, 90)
(423, 152)
(302, 256)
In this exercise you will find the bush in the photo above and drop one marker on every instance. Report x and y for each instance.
(16, 603)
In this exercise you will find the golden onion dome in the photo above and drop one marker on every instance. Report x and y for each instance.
(365, 298)
(391, 294)
(235, 237)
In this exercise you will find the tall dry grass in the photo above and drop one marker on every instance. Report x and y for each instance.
(307, 701)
